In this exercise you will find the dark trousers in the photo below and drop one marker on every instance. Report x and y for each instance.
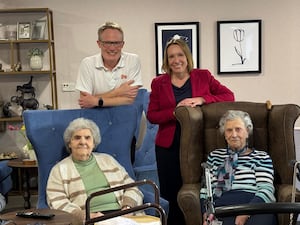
(170, 180)
(263, 219)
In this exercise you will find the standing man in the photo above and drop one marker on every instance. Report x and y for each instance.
(112, 77)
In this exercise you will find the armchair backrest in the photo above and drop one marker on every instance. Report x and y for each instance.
(273, 132)
(45, 130)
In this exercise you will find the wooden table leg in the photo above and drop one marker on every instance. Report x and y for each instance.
(26, 195)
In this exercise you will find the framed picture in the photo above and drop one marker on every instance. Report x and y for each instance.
(23, 30)
(38, 31)
(239, 46)
(189, 31)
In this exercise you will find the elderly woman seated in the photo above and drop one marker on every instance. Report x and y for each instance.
(239, 174)
(84, 172)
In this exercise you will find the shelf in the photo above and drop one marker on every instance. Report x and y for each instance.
(11, 119)
(47, 72)
(15, 51)
(24, 41)
(27, 10)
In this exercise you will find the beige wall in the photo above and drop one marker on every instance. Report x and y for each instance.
(76, 23)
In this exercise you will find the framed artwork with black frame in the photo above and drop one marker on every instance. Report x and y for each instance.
(23, 30)
(189, 31)
(239, 46)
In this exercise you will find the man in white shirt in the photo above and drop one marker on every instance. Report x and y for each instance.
(112, 77)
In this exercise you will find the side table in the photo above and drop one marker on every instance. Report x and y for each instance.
(60, 218)
(24, 168)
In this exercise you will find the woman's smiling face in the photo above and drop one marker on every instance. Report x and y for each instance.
(177, 59)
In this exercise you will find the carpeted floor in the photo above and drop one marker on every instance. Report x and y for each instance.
(16, 202)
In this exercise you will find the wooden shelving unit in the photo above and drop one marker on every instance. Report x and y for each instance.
(17, 49)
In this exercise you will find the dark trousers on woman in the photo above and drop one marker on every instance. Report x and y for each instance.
(170, 181)
(241, 197)
(263, 219)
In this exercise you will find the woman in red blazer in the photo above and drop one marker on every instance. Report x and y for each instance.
(181, 85)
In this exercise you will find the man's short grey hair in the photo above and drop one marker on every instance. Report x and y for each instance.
(235, 114)
(109, 25)
(79, 124)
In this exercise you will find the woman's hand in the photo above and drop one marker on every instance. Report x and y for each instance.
(241, 219)
(95, 214)
(204, 218)
(127, 207)
(192, 102)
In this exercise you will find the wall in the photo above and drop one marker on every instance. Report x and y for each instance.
(76, 23)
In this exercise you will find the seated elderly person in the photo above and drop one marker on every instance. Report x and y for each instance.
(239, 174)
(74, 178)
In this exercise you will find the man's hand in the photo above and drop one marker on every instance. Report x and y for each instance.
(87, 100)
(126, 90)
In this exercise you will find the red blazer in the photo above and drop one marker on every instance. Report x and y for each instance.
(162, 101)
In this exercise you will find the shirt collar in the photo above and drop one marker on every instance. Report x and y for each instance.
(100, 65)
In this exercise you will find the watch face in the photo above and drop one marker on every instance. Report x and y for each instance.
(100, 102)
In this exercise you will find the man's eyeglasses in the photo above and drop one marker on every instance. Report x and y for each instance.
(112, 43)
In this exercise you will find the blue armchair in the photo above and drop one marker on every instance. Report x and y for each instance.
(118, 126)
(5, 178)
(145, 159)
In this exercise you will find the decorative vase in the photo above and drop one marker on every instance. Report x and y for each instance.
(36, 62)
(32, 155)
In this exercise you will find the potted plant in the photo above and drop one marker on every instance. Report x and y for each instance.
(36, 58)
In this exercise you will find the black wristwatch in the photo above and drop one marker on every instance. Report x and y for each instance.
(100, 102)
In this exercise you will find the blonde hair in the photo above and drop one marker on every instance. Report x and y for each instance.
(186, 50)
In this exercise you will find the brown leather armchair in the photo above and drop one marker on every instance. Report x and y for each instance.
(273, 132)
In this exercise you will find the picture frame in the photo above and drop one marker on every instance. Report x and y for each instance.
(239, 46)
(38, 30)
(189, 31)
(23, 30)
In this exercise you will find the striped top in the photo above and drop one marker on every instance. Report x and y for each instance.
(254, 173)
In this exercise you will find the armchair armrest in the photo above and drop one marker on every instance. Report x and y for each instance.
(189, 201)
(282, 119)
(191, 156)
(191, 148)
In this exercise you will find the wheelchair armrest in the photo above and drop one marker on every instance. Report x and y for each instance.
(258, 208)
(133, 209)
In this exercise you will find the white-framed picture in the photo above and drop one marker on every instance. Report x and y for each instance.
(188, 31)
(38, 30)
(239, 46)
(23, 30)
